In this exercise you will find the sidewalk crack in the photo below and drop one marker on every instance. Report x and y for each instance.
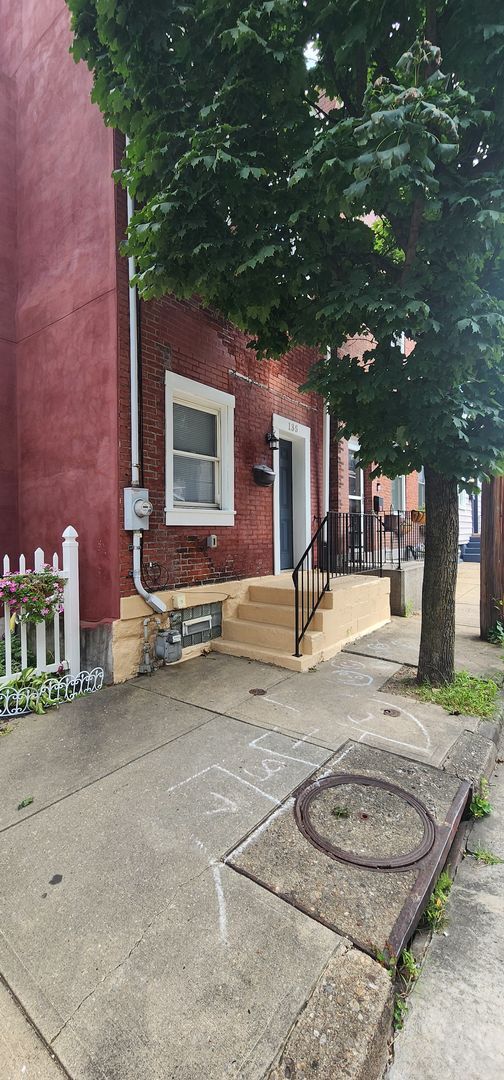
(112, 970)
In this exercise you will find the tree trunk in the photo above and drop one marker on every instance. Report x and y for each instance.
(492, 553)
(436, 663)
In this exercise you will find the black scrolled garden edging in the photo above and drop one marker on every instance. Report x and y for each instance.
(13, 702)
(391, 862)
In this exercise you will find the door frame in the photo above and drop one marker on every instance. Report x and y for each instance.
(299, 435)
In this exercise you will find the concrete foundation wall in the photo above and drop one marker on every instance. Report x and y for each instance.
(405, 588)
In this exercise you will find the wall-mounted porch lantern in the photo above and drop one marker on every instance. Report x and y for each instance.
(273, 440)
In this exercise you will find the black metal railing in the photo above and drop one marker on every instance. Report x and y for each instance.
(403, 536)
(352, 544)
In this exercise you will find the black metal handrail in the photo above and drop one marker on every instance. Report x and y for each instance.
(352, 544)
(343, 544)
(307, 596)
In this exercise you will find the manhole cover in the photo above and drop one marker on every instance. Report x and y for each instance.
(257, 691)
(365, 821)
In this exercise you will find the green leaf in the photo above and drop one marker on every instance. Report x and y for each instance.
(256, 260)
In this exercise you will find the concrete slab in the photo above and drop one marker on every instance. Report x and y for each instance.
(50, 756)
(488, 833)
(399, 642)
(471, 757)
(376, 908)
(206, 681)
(468, 615)
(209, 990)
(341, 699)
(22, 1054)
(455, 1025)
(82, 882)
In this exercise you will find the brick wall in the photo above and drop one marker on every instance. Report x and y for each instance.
(183, 337)
(382, 486)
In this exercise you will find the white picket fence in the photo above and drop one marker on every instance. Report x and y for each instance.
(69, 572)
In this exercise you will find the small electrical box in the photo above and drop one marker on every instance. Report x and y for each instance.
(168, 646)
(179, 600)
(137, 508)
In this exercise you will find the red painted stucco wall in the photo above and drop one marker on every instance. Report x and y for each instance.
(66, 311)
(8, 426)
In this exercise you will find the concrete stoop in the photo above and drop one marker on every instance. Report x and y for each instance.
(263, 626)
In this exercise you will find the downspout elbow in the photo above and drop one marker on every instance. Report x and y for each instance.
(153, 601)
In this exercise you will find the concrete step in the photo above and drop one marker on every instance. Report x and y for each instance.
(266, 656)
(272, 594)
(277, 614)
(269, 635)
(474, 556)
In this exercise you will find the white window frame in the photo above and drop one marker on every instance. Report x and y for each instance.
(354, 446)
(402, 495)
(182, 391)
(421, 483)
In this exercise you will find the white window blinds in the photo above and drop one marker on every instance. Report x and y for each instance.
(195, 456)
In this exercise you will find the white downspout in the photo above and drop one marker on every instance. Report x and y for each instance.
(326, 448)
(154, 602)
(326, 451)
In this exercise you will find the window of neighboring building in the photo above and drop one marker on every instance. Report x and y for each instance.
(421, 489)
(199, 453)
(355, 478)
(399, 493)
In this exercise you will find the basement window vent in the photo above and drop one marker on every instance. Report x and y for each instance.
(196, 626)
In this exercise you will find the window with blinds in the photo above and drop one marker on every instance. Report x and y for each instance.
(196, 456)
(199, 453)
(399, 493)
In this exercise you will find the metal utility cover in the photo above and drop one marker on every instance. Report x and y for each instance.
(359, 845)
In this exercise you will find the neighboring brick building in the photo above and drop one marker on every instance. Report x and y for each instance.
(353, 490)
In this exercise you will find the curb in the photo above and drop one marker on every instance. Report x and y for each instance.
(472, 757)
(344, 1028)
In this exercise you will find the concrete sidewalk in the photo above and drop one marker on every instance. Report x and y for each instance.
(455, 1026)
(135, 952)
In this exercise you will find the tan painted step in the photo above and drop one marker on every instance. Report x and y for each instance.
(270, 636)
(272, 594)
(265, 656)
(278, 614)
(282, 592)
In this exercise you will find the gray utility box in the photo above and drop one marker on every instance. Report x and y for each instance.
(168, 646)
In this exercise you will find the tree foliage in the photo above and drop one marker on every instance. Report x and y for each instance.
(356, 194)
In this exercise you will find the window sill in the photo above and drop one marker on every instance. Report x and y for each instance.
(199, 517)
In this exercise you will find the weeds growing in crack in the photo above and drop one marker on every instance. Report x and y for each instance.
(486, 857)
(480, 805)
